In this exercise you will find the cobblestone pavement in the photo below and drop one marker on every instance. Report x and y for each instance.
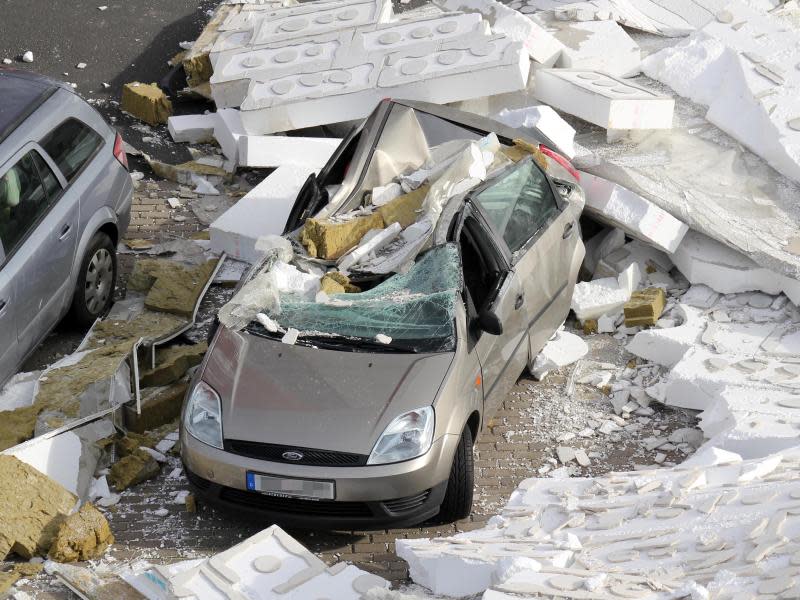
(520, 439)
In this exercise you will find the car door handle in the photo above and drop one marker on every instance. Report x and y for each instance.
(64, 232)
(520, 301)
(568, 230)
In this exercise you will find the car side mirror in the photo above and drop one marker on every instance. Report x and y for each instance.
(489, 322)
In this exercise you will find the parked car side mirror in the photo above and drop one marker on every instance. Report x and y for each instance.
(490, 322)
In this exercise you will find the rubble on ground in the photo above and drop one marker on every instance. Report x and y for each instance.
(136, 467)
(147, 102)
(83, 535)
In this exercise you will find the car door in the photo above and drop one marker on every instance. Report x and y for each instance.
(38, 228)
(540, 231)
(491, 288)
(8, 327)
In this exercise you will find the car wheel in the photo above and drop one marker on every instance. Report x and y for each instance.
(457, 503)
(94, 291)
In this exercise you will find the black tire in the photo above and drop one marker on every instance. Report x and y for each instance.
(457, 503)
(94, 292)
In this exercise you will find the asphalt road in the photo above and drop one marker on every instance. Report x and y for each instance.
(129, 40)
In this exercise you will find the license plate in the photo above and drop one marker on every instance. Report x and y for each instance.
(290, 488)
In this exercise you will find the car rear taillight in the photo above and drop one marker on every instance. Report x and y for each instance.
(560, 160)
(119, 152)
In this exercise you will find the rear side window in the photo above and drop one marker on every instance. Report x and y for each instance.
(23, 201)
(71, 145)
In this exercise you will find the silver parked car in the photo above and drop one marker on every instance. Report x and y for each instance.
(369, 418)
(65, 199)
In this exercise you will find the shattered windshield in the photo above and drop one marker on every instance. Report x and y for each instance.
(415, 309)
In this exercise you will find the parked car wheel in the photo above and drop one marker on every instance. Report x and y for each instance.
(457, 503)
(96, 280)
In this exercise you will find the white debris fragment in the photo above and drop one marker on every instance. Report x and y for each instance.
(267, 323)
(563, 349)
(203, 187)
(174, 203)
(27, 57)
(80, 65)
(290, 337)
(593, 299)
(7, 61)
(195, 129)
(545, 120)
(265, 151)
(382, 338)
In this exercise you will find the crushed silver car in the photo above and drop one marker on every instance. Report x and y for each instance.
(421, 271)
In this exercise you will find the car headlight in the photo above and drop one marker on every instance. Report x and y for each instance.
(203, 415)
(410, 435)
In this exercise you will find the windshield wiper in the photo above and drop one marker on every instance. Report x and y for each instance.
(354, 344)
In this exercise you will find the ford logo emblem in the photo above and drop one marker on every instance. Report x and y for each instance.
(292, 455)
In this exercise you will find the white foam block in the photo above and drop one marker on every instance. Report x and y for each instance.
(194, 129)
(276, 150)
(563, 349)
(263, 211)
(443, 72)
(747, 77)
(668, 346)
(270, 564)
(545, 120)
(227, 131)
(599, 46)
(603, 99)
(541, 45)
(58, 457)
(703, 260)
(593, 299)
(640, 218)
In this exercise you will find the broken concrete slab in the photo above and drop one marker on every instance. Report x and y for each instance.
(146, 102)
(746, 205)
(263, 211)
(159, 406)
(601, 46)
(32, 507)
(266, 151)
(188, 173)
(83, 535)
(746, 77)
(604, 100)
(703, 260)
(617, 206)
(172, 363)
(132, 469)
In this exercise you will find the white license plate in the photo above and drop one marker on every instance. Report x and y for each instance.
(290, 488)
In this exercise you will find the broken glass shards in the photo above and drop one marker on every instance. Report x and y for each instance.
(414, 309)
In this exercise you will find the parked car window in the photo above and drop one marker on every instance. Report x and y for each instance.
(71, 145)
(519, 204)
(51, 185)
(22, 201)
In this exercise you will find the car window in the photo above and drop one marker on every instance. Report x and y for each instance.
(22, 201)
(49, 180)
(519, 204)
(71, 145)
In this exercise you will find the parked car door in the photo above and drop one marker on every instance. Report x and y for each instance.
(540, 231)
(8, 328)
(492, 291)
(38, 227)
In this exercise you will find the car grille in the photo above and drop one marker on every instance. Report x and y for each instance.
(408, 503)
(296, 506)
(311, 457)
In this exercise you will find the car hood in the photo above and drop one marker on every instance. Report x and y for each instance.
(305, 397)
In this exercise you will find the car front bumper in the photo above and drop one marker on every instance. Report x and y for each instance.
(365, 497)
